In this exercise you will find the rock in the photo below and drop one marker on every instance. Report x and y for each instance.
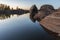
(47, 7)
(52, 23)
(44, 11)
(33, 12)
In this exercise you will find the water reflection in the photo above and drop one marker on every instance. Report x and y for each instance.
(5, 16)
(22, 28)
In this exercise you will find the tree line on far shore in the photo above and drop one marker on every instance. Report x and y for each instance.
(7, 7)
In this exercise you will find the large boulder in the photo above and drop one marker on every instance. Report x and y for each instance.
(33, 12)
(47, 7)
(46, 10)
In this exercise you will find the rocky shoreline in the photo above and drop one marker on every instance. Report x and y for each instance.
(48, 17)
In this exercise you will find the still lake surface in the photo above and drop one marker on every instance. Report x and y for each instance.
(21, 27)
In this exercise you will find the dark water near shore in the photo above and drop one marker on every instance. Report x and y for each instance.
(22, 28)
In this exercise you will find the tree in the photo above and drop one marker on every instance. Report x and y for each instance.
(4, 7)
(7, 8)
(1, 6)
(17, 8)
(12, 8)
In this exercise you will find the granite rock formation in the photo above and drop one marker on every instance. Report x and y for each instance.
(44, 11)
(49, 18)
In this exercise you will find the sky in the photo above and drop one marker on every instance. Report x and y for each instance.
(26, 4)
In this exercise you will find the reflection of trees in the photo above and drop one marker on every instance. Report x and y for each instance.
(4, 16)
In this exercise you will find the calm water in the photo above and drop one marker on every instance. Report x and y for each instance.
(21, 28)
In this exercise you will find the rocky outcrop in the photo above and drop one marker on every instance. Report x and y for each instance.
(49, 18)
(44, 11)
(52, 20)
(52, 23)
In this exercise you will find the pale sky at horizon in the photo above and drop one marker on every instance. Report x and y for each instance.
(26, 4)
